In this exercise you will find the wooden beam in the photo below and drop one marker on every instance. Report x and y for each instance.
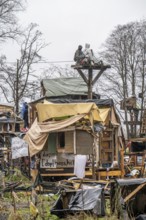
(109, 173)
(122, 163)
(133, 122)
(98, 75)
(90, 77)
(134, 192)
(87, 173)
(90, 81)
(87, 66)
(83, 76)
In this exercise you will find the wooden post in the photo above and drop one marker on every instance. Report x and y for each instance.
(93, 163)
(17, 88)
(90, 76)
(122, 163)
(90, 81)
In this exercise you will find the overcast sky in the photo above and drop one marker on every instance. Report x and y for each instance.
(67, 23)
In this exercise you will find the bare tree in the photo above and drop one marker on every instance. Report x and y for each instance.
(8, 18)
(15, 83)
(124, 50)
(55, 71)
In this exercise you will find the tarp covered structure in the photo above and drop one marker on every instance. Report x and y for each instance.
(64, 86)
(89, 200)
(39, 131)
(58, 110)
(50, 110)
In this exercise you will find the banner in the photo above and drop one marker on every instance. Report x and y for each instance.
(56, 161)
(19, 148)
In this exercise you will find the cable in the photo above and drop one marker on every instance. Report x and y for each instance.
(46, 62)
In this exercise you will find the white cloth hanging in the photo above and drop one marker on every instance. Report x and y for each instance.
(79, 165)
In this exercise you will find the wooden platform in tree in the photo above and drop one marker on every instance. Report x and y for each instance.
(93, 67)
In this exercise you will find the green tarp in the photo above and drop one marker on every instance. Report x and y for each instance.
(64, 86)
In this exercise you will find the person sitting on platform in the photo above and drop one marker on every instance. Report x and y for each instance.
(79, 55)
(89, 56)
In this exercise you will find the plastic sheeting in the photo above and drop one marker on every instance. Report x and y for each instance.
(81, 200)
(85, 199)
(127, 182)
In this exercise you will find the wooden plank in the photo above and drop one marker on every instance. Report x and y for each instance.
(108, 129)
(106, 139)
(135, 153)
(87, 173)
(138, 139)
(133, 122)
(108, 150)
(134, 192)
(122, 163)
(110, 173)
(55, 169)
(94, 67)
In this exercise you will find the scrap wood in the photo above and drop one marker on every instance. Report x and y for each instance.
(34, 197)
(77, 183)
(66, 186)
(33, 210)
(12, 183)
(12, 186)
(106, 186)
(86, 180)
(134, 192)
(15, 196)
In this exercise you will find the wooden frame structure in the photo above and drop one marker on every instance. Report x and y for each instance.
(90, 81)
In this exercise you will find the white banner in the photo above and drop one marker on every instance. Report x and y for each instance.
(19, 148)
(56, 161)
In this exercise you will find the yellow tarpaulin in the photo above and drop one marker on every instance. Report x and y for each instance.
(104, 114)
(113, 118)
(49, 111)
(37, 135)
(108, 114)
